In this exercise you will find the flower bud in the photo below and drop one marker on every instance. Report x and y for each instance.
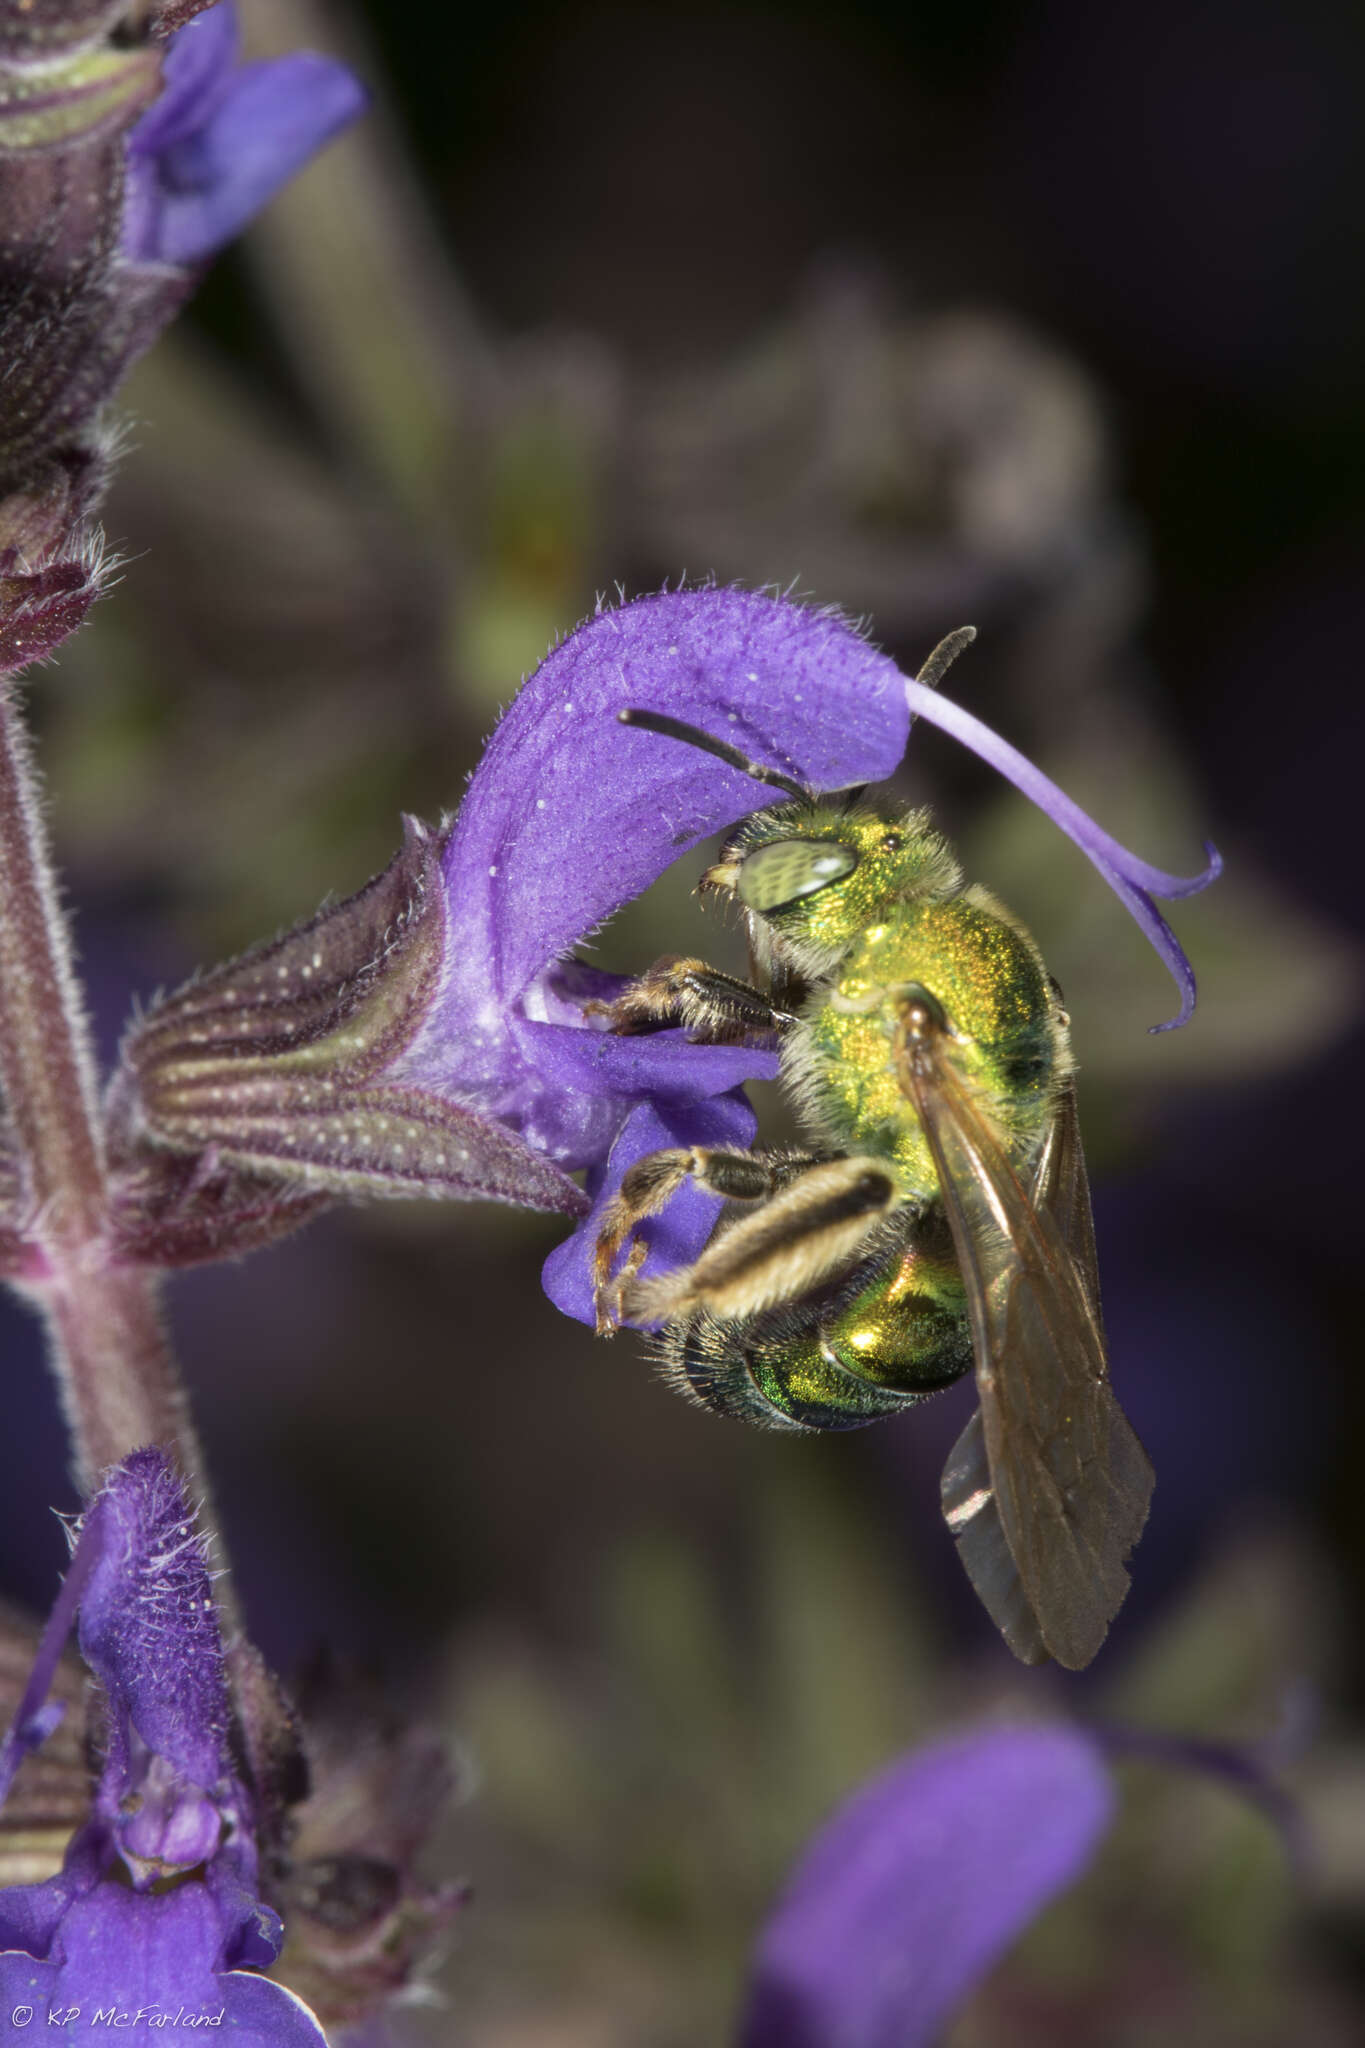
(52, 565)
(66, 326)
(123, 168)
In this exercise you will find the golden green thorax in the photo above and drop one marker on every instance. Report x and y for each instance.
(899, 916)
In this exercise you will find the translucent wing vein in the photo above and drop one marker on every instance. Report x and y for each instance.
(1056, 1483)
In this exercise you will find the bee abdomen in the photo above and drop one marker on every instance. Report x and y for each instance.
(775, 1379)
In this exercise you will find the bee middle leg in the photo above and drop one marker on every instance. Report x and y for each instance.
(816, 1220)
(714, 1007)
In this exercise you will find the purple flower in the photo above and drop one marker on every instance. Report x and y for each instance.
(920, 1883)
(569, 816)
(435, 1034)
(223, 138)
(155, 1909)
(431, 1033)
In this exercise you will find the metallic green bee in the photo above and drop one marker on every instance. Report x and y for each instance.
(940, 1215)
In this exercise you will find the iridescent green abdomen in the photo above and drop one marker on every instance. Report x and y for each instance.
(892, 1333)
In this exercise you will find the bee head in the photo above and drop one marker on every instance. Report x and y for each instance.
(817, 866)
(826, 869)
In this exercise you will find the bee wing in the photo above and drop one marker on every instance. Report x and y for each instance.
(970, 1511)
(1054, 1481)
(1061, 1186)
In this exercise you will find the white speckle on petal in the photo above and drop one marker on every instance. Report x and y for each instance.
(494, 869)
(751, 677)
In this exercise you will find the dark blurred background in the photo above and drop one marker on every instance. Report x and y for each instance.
(1050, 317)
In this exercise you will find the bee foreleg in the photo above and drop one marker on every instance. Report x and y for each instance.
(816, 1222)
(714, 1007)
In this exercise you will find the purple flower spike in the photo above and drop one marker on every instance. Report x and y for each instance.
(222, 139)
(170, 1818)
(920, 1883)
(1133, 881)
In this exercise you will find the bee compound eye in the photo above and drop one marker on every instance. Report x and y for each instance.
(785, 870)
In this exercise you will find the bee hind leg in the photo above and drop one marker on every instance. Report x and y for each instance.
(816, 1223)
(650, 1184)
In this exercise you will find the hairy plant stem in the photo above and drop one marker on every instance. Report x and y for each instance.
(119, 1384)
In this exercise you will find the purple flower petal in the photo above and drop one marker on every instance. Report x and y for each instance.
(221, 140)
(33, 1720)
(196, 71)
(588, 1074)
(919, 1883)
(148, 1625)
(1133, 881)
(570, 814)
(157, 1960)
(677, 1235)
(274, 117)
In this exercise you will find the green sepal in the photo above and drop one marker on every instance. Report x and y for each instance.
(274, 1067)
(79, 99)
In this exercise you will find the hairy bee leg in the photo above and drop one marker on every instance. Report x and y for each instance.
(713, 1006)
(815, 1223)
(610, 1293)
(651, 1183)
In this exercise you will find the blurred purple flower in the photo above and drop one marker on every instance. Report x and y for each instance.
(223, 138)
(155, 1909)
(920, 1883)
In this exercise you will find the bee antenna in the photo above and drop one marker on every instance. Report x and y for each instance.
(706, 743)
(944, 655)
